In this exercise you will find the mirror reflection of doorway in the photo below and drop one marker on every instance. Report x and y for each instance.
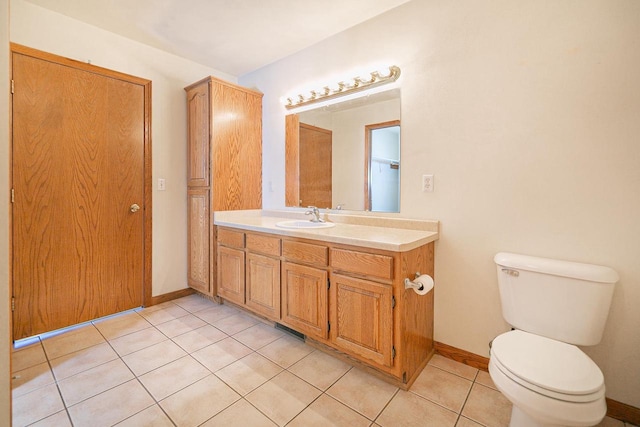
(382, 167)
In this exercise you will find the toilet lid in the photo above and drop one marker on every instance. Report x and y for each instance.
(547, 363)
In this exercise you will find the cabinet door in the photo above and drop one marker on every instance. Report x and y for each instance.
(304, 299)
(231, 274)
(263, 285)
(198, 130)
(362, 318)
(198, 246)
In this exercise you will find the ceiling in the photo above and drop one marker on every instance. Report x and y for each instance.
(232, 36)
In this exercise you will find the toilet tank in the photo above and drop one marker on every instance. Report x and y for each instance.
(561, 300)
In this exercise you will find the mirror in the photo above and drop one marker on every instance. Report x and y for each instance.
(345, 155)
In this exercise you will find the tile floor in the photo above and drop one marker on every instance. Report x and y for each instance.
(191, 362)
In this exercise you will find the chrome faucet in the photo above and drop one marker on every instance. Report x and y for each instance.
(315, 212)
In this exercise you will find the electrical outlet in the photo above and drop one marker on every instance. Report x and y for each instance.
(427, 183)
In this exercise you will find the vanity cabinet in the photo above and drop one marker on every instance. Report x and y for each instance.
(304, 299)
(224, 167)
(347, 300)
(231, 269)
(263, 275)
(362, 318)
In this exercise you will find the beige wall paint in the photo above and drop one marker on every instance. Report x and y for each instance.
(5, 337)
(39, 28)
(528, 115)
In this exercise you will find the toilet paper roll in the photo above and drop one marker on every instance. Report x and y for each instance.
(426, 282)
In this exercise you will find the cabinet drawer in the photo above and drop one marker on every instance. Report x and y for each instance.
(263, 244)
(305, 253)
(362, 263)
(230, 238)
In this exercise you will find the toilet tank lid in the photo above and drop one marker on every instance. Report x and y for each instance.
(575, 270)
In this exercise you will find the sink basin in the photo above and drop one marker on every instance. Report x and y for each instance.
(303, 224)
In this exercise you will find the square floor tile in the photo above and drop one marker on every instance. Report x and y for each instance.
(164, 314)
(135, 341)
(153, 416)
(235, 323)
(82, 360)
(94, 381)
(200, 401)
(444, 388)
(487, 406)
(72, 341)
(220, 354)
(248, 373)
(173, 376)
(408, 409)
(199, 338)
(363, 392)
(27, 357)
(37, 405)
(120, 325)
(240, 413)
(320, 369)
(485, 379)
(112, 406)
(283, 397)
(181, 325)
(59, 419)
(216, 313)
(286, 351)
(150, 358)
(449, 365)
(466, 422)
(29, 379)
(193, 303)
(326, 411)
(258, 336)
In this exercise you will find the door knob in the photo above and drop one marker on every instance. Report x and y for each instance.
(134, 208)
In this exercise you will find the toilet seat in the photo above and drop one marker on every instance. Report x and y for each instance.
(552, 368)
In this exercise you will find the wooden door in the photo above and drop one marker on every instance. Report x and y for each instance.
(304, 299)
(315, 166)
(231, 274)
(78, 165)
(362, 318)
(263, 285)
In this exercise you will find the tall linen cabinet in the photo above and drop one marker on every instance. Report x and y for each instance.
(224, 166)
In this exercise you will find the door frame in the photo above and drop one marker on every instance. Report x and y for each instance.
(367, 157)
(147, 299)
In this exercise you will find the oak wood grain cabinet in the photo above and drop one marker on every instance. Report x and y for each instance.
(347, 300)
(304, 299)
(262, 292)
(231, 268)
(224, 167)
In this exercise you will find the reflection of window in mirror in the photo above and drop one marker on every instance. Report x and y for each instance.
(382, 167)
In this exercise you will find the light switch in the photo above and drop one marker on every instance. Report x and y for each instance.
(161, 184)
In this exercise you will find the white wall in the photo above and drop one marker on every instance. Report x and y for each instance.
(5, 337)
(528, 115)
(42, 29)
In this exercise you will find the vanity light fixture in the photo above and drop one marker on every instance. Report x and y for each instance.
(375, 78)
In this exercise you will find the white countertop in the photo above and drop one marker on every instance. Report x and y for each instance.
(387, 233)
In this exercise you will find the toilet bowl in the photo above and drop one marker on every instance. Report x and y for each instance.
(550, 383)
(553, 306)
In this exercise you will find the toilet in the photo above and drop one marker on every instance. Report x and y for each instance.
(553, 306)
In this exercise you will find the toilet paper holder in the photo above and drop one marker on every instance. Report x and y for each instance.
(408, 284)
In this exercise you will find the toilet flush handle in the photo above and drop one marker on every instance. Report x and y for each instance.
(514, 273)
